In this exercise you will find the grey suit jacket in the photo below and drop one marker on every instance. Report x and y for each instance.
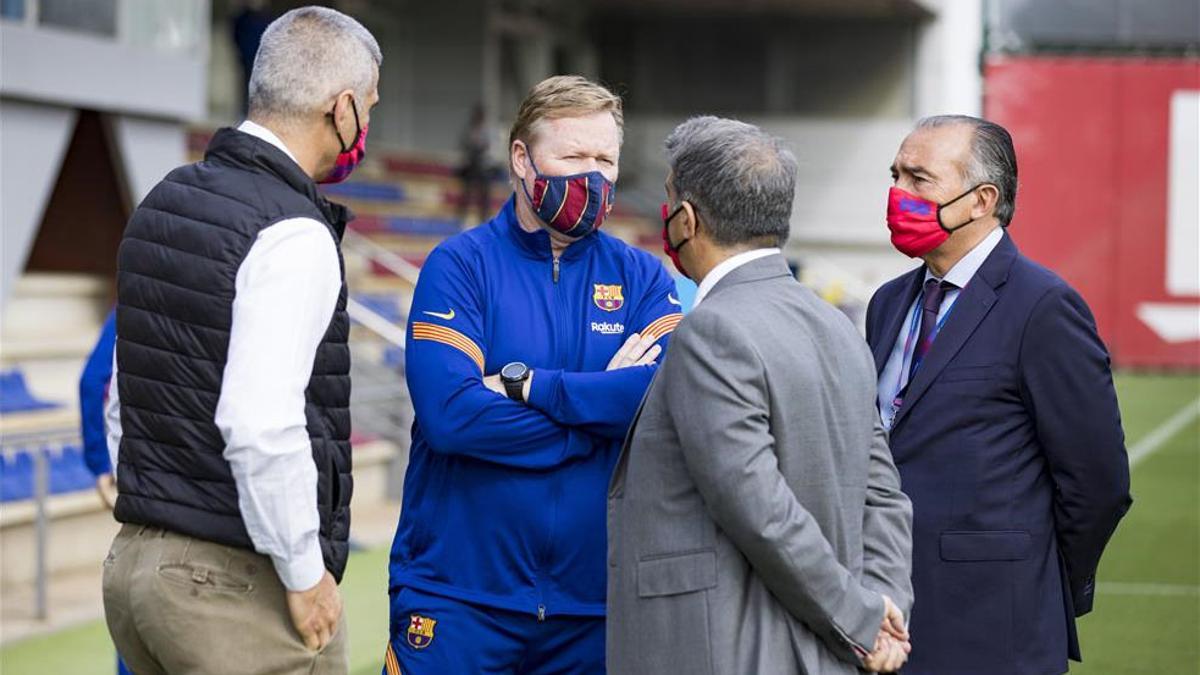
(755, 514)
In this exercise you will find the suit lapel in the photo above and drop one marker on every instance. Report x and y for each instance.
(971, 306)
(886, 340)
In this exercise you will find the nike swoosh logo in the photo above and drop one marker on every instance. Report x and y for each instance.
(671, 299)
(448, 316)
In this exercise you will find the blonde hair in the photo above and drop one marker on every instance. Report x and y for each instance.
(563, 96)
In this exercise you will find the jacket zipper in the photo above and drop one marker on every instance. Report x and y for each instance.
(559, 324)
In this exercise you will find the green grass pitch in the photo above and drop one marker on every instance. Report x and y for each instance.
(1147, 611)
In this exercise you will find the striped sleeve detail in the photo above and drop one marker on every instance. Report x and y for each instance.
(662, 326)
(390, 662)
(448, 336)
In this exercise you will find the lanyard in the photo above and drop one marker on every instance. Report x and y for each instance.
(913, 324)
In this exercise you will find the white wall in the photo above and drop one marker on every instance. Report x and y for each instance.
(949, 47)
(33, 141)
(87, 72)
(148, 149)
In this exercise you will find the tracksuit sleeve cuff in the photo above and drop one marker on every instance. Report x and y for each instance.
(304, 571)
(542, 389)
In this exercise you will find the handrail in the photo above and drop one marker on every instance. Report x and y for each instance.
(389, 260)
(375, 323)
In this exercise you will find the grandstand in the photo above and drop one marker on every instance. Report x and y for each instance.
(87, 127)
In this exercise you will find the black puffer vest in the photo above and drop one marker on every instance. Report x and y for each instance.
(177, 266)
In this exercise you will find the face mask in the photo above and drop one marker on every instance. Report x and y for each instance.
(350, 157)
(574, 205)
(916, 222)
(671, 249)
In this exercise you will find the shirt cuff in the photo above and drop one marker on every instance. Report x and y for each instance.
(542, 388)
(304, 571)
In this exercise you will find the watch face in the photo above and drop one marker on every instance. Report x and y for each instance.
(513, 371)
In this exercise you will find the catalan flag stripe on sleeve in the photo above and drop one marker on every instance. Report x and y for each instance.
(662, 326)
(391, 662)
(448, 336)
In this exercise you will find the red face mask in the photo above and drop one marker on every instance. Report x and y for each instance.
(916, 222)
(672, 250)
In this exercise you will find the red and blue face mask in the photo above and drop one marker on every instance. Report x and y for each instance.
(916, 223)
(574, 205)
(350, 157)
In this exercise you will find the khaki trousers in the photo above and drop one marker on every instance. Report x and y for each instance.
(184, 606)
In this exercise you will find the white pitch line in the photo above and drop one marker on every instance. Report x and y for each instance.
(1136, 588)
(1165, 431)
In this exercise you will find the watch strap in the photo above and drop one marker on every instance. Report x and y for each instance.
(515, 389)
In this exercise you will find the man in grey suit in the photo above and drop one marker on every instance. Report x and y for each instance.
(756, 523)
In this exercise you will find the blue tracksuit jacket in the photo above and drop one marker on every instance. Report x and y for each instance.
(504, 502)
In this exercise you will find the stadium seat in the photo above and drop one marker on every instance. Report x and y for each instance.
(15, 395)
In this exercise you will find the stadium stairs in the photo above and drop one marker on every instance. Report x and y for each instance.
(405, 205)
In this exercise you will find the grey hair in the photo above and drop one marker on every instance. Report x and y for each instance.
(740, 179)
(306, 57)
(993, 159)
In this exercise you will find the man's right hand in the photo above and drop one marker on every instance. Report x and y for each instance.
(891, 648)
(106, 486)
(316, 612)
(637, 351)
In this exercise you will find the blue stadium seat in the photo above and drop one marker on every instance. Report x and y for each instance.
(443, 227)
(386, 305)
(15, 396)
(394, 357)
(16, 476)
(66, 473)
(366, 191)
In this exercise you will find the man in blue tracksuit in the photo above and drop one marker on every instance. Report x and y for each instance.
(93, 390)
(532, 339)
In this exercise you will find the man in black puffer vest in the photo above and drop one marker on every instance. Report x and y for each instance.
(230, 419)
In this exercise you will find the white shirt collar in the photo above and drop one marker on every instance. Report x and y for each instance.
(964, 270)
(261, 132)
(728, 265)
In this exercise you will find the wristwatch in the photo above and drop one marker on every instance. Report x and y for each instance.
(513, 376)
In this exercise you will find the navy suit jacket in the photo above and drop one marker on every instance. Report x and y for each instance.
(1009, 444)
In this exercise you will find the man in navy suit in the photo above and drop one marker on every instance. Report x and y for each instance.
(1003, 418)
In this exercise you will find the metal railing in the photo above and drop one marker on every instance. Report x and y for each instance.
(40, 445)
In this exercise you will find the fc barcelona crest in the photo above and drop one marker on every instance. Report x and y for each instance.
(608, 297)
(420, 631)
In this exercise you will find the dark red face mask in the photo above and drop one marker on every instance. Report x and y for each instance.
(672, 249)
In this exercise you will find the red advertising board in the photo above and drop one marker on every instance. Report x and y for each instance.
(1109, 187)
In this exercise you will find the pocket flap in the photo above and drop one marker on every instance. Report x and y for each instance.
(674, 574)
(989, 545)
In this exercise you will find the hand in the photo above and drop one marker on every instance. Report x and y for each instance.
(315, 612)
(893, 621)
(888, 656)
(493, 382)
(637, 351)
(106, 486)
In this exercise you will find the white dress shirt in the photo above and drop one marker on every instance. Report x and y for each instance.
(894, 377)
(285, 295)
(728, 265)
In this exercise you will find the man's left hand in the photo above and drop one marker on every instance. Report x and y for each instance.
(638, 350)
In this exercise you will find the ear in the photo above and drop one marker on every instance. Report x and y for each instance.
(689, 223)
(518, 155)
(341, 106)
(986, 200)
